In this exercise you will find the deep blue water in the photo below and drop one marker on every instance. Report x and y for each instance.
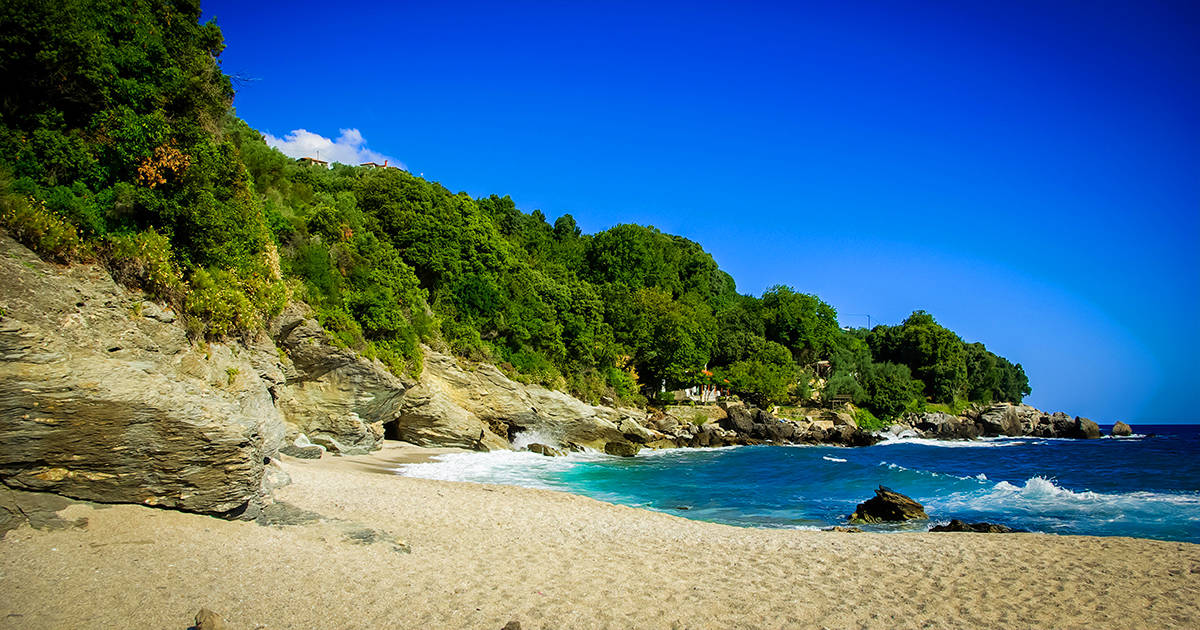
(1145, 485)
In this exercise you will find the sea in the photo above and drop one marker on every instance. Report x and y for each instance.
(1146, 485)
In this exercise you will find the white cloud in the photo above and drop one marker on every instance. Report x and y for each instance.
(349, 148)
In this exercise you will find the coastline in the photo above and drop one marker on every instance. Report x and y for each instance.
(483, 555)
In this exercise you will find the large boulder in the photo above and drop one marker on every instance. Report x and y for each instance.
(739, 418)
(1120, 429)
(103, 398)
(1085, 429)
(1001, 419)
(888, 506)
(944, 426)
(635, 432)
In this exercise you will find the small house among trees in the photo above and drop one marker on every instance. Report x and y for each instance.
(308, 161)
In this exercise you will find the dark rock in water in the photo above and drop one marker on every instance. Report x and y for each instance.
(1122, 429)
(844, 530)
(956, 525)
(1085, 429)
(209, 620)
(542, 449)
(862, 438)
(302, 452)
(683, 507)
(888, 506)
(623, 449)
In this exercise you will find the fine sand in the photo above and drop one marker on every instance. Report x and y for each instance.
(482, 556)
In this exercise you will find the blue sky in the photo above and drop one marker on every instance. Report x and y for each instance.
(1028, 172)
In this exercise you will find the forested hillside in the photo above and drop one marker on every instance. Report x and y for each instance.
(120, 145)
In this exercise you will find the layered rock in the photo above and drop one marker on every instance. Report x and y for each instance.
(102, 397)
(334, 396)
(477, 406)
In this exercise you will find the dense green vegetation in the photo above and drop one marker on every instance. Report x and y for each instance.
(122, 147)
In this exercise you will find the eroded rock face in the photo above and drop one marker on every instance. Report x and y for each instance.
(332, 395)
(102, 397)
(477, 406)
(888, 506)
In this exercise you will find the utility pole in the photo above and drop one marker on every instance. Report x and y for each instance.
(867, 315)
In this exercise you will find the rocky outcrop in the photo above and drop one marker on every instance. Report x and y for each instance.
(1002, 419)
(1120, 429)
(102, 397)
(750, 425)
(332, 395)
(956, 525)
(888, 506)
(477, 406)
(944, 426)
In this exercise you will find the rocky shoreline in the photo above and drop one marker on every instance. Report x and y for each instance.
(104, 398)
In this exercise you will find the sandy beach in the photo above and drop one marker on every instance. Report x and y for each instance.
(372, 550)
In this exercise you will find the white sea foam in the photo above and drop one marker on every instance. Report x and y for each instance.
(522, 440)
(891, 466)
(976, 443)
(1040, 496)
(833, 459)
(516, 468)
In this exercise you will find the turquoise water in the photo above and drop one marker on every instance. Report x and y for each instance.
(1145, 485)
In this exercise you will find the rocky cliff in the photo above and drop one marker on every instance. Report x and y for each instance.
(103, 397)
(1001, 419)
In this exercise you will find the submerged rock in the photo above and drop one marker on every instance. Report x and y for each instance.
(1121, 429)
(956, 525)
(888, 506)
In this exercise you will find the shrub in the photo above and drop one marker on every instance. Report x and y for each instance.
(32, 224)
(229, 303)
(867, 420)
(146, 260)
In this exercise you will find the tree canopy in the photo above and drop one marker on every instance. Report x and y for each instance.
(121, 145)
